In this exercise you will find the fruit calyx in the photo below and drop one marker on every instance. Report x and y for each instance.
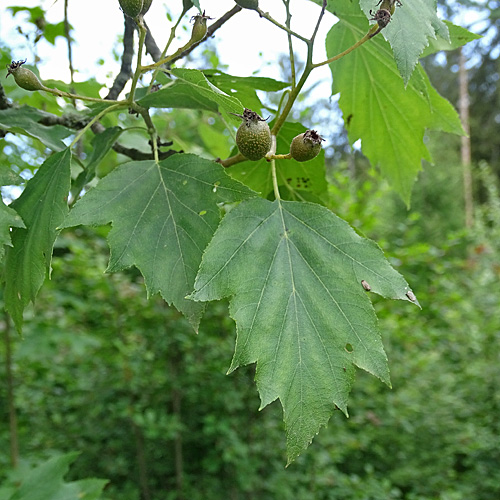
(253, 137)
(306, 146)
(24, 77)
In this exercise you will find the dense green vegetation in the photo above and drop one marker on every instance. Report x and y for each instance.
(106, 371)
(125, 381)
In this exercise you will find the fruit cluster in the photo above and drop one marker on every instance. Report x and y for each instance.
(253, 139)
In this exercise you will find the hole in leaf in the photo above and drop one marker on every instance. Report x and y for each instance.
(348, 347)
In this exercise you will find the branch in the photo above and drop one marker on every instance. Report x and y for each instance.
(4, 100)
(151, 48)
(126, 68)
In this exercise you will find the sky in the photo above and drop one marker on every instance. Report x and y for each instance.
(248, 44)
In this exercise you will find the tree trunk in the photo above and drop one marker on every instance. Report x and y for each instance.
(463, 106)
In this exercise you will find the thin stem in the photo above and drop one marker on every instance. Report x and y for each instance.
(275, 180)
(291, 100)
(138, 70)
(69, 95)
(290, 42)
(144, 112)
(322, 13)
(367, 37)
(267, 16)
(171, 38)
(94, 120)
(288, 156)
(232, 160)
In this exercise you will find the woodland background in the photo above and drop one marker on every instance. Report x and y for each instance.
(124, 380)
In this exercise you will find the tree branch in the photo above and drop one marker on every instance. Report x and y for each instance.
(4, 100)
(128, 53)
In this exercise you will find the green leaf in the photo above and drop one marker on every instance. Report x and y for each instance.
(389, 119)
(52, 31)
(25, 120)
(244, 88)
(214, 140)
(411, 28)
(191, 90)
(458, 37)
(42, 206)
(293, 272)
(163, 217)
(46, 482)
(7, 176)
(101, 144)
(292, 175)
(8, 218)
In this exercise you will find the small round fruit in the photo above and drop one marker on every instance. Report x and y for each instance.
(253, 137)
(132, 8)
(146, 5)
(24, 77)
(306, 146)
(248, 4)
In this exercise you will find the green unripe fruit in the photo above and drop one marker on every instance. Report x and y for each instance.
(199, 28)
(248, 4)
(306, 146)
(25, 78)
(253, 137)
(145, 6)
(132, 8)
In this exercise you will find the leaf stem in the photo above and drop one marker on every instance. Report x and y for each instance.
(96, 119)
(275, 180)
(69, 95)
(360, 42)
(267, 16)
(232, 160)
(171, 38)
(138, 70)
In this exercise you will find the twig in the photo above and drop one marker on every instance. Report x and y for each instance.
(267, 16)
(151, 48)
(290, 42)
(4, 100)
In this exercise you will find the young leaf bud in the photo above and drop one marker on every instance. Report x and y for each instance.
(253, 137)
(306, 146)
(248, 4)
(25, 78)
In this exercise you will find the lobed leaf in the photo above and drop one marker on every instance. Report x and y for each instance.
(42, 206)
(46, 482)
(389, 118)
(412, 26)
(163, 216)
(293, 273)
